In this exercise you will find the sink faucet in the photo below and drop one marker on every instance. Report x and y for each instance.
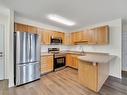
(82, 50)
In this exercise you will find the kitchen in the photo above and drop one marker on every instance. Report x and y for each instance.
(65, 55)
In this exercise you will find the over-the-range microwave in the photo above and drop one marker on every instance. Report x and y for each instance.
(56, 40)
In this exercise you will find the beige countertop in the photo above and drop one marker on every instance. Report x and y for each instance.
(72, 52)
(97, 58)
(94, 57)
(46, 54)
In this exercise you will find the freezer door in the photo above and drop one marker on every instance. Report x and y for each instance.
(22, 47)
(27, 72)
(34, 48)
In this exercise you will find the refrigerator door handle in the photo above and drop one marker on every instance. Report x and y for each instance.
(1, 54)
(29, 43)
(24, 64)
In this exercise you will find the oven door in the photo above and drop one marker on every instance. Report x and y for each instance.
(59, 62)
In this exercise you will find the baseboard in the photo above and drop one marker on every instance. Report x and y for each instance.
(124, 73)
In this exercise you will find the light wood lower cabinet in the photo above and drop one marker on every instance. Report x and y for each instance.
(46, 63)
(72, 60)
(92, 75)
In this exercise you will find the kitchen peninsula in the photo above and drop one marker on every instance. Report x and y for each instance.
(93, 70)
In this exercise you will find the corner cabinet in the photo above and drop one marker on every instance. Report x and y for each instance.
(72, 60)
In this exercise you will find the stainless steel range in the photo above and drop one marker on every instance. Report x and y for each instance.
(59, 58)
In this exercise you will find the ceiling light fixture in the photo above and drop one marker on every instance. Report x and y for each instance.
(60, 19)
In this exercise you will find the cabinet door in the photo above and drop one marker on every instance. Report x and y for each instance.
(67, 39)
(85, 35)
(92, 36)
(46, 64)
(74, 37)
(77, 37)
(102, 35)
(74, 61)
(21, 27)
(46, 37)
(68, 60)
(32, 29)
(88, 74)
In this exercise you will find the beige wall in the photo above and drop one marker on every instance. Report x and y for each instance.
(6, 18)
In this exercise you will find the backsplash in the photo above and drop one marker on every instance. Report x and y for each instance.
(44, 48)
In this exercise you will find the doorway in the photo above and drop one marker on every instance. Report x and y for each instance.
(2, 53)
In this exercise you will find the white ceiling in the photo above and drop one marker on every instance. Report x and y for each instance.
(83, 12)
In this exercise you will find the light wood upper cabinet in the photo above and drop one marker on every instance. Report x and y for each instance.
(21, 27)
(67, 39)
(45, 35)
(32, 29)
(58, 34)
(46, 63)
(92, 36)
(79, 37)
(97, 35)
(25, 28)
(102, 35)
(75, 37)
(85, 36)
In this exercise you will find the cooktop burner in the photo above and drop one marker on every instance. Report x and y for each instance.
(56, 52)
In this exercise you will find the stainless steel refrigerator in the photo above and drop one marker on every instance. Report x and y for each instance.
(27, 57)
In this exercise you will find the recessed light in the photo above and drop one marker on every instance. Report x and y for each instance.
(60, 19)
